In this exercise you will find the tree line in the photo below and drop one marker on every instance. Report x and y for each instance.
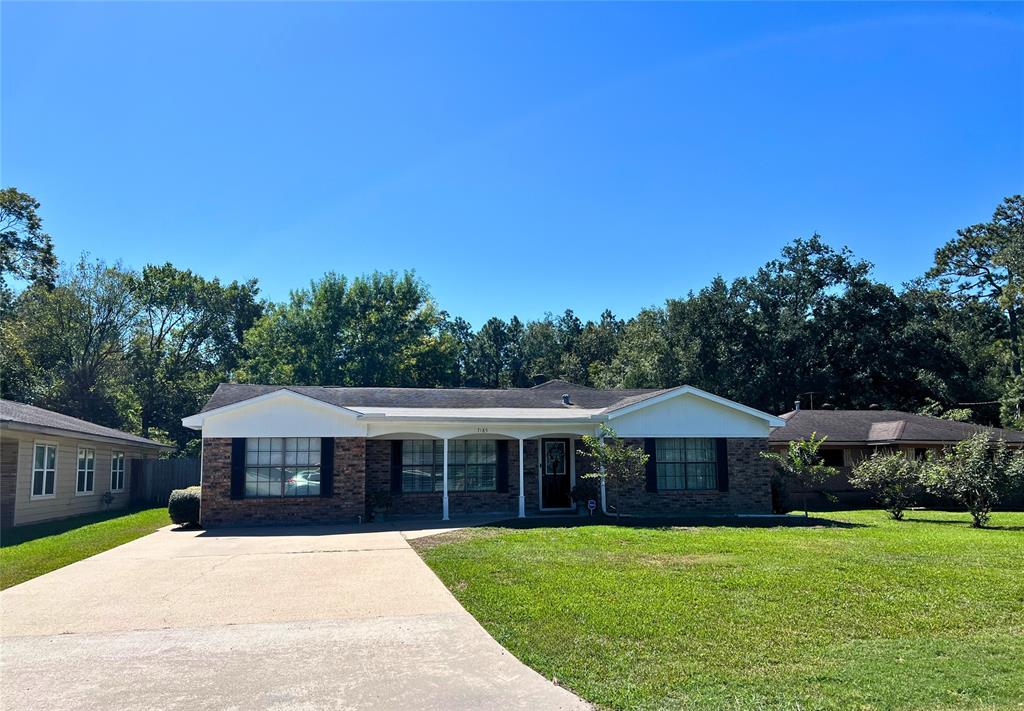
(138, 349)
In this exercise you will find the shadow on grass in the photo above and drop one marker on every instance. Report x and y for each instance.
(544, 521)
(387, 525)
(665, 522)
(964, 524)
(30, 532)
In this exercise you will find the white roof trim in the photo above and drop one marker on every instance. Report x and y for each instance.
(489, 414)
(690, 390)
(195, 422)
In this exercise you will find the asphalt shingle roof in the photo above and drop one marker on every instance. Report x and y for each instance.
(546, 395)
(19, 412)
(880, 426)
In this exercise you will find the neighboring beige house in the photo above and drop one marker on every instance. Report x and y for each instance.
(54, 466)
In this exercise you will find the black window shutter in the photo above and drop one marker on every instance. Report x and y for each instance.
(396, 466)
(237, 467)
(502, 453)
(722, 458)
(652, 464)
(327, 467)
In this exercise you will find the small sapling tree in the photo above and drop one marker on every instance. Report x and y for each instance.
(802, 464)
(612, 460)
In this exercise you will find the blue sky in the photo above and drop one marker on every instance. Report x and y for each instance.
(522, 158)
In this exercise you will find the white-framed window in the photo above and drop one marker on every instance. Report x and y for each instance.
(44, 470)
(117, 471)
(85, 484)
(282, 467)
(689, 463)
(472, 465)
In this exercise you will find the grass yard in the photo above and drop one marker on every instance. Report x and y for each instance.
(867, 613)
(29, 551)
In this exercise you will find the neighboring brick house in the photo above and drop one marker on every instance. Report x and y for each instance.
(853, 435)
(55, 466)
(305, 454)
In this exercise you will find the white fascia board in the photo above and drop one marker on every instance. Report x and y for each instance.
(772, 420)
(195, 422)
(441, 415)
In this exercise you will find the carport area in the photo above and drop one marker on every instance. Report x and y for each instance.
(301, 618)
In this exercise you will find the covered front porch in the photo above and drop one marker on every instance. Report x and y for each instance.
(477, 470)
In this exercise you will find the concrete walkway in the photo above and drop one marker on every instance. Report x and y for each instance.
(303, 618)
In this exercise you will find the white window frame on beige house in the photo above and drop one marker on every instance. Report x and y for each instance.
(32, 482)
(87, 491)
(116, 472)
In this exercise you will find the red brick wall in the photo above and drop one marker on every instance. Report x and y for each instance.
(348, 502)
(378, 478)
(749, 487)
(363, 466)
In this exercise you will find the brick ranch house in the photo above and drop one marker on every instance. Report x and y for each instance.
(854, 435)
(311, 454)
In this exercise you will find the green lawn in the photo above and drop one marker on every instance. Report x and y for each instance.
(864, 614)
(29, 551)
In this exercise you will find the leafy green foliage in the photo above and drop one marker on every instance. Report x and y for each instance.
(801, 464)
(139, 350)
(977, 472)
(382, 329)
(892, 478)
(183, 506)
(186, 337)
(607, 457)
(26, 251)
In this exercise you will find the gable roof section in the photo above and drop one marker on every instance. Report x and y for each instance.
(874, 427)
(36, 419)
(542, 402)
(636, 402)
(543, 396)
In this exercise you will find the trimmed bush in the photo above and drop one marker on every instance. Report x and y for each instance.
(183, 506)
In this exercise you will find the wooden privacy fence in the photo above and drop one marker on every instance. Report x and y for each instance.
(153, 480)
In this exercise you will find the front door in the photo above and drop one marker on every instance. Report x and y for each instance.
(555, 485)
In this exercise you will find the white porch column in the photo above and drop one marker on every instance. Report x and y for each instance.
(522, 491)
(444, 499)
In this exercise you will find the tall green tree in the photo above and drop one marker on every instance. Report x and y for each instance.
(183, 341)
(489, 352)
(75, 334)
(26, 251)
(985, 262)
(380, 329)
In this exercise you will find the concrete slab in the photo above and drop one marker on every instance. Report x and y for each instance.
(277, 618)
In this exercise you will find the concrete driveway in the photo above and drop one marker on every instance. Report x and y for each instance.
(303, 618)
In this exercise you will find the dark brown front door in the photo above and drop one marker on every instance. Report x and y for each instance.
(555, 483)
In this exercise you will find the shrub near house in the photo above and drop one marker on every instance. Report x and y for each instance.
(183, 506)
(893, 479)
(978, 472)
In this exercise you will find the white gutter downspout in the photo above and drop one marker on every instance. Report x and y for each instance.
(604, 496)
